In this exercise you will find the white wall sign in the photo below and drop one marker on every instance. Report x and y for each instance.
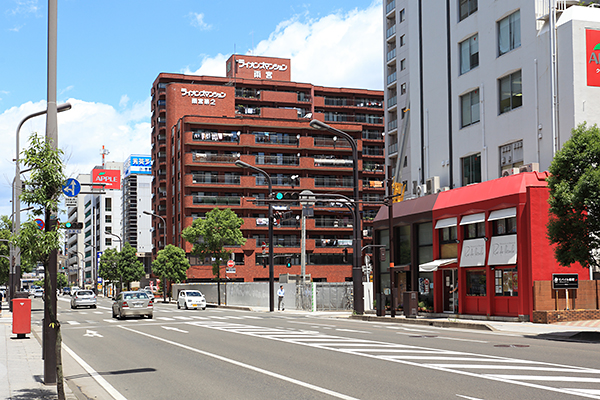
(473, 253)
(503, 250)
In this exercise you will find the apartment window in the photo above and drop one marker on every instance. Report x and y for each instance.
(108, 219)
(509, 33)
(466, 8)
(402, 40)
(108, 204)
(403, 64)
(107, 241)
(469, 108)
(403, 112)
(403, 88)
(402, 14)
(469, 54)
(471, 169)
(511, 92)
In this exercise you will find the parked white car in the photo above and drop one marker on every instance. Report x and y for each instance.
(191, 299)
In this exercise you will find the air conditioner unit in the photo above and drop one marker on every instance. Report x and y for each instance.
(530, 167)
(510, 171)
(421, 190)
(433, 185)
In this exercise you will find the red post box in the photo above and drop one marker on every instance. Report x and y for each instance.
(21, 317)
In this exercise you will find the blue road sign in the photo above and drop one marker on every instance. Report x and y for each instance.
(71, 188)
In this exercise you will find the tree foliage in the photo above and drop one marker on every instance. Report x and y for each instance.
(574, 225)
(209, 236)
(5, 232)
(171, 263)
(109, 265)
(129, 267)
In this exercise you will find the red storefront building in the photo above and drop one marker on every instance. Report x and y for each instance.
(202, 124)
(474, 250)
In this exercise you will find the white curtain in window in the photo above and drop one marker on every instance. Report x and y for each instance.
(503, 36)
(465, 57)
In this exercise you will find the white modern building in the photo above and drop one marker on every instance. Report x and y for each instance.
(480, 88)
(137, 198)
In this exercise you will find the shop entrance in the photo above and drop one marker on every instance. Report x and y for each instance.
(450, 296)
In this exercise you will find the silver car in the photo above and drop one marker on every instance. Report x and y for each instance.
(128, 304)
(191, 299)
(83, 298)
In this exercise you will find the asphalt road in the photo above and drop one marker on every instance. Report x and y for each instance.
(232, 354)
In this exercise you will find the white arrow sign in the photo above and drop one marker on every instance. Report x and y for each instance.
(89, 333)
(174, 329)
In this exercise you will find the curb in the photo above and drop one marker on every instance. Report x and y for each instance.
(426, 322)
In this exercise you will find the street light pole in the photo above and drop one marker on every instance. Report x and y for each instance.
(359, 305)
(164, 245)
(242, 164)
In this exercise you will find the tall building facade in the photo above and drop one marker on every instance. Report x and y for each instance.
(478, 89)
(201, 125)
(137, 198)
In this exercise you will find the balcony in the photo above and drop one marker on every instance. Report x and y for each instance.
(329, 142)
(218, 158)
(391, 31)
(219, 200)
(391, 6)
(391, 54)
(333, 162)
(275, 138)
(331, 181)
(391, 78)
(372, 151)
(277, 160)
(216, 179)
(333, 223)
(392, 101)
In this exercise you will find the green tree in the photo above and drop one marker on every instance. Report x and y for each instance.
(5, 232)
(129, 267)
(209, 235)
(109, 266)
(171, 264)
(574, 225)
(42, 190)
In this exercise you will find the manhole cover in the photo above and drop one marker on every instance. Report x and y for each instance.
(511, 345)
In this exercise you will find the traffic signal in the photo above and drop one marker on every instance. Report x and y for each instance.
(288, 262)
(287, 196)
(71, 225)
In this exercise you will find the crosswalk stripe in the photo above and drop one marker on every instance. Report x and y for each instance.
(74, 323)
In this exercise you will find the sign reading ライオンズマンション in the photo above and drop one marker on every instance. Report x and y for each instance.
(592, 51)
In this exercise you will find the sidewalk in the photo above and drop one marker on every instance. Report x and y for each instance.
(21, 364)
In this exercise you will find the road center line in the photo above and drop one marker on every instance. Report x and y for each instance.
(247, 366)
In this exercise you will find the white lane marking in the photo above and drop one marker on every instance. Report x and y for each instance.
(166, 318)
(461, 340)
(73, 322)
(183, 318)
(112, 321)
(512, 367)
(586, 391)
(196, 317)
(551, 378)
(468, 397)
(101, 381)
(248, 366)
(253, 317)
(174, 329)
(351, 330)
(98, 312)
(90, 333)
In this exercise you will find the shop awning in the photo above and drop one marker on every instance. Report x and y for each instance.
(433, 265)
(472, 219)
(504, 213)
(445, 223)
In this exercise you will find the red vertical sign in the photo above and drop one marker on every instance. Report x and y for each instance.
(592, 52)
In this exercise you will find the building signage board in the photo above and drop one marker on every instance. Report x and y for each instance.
(70, 201)
(138, 164)
(205, 100)
(259, 67)
(565, 281)
(473, 253)
(503, 250)
(592, 51)
(111, 178)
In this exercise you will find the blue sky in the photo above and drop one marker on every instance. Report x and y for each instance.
(110, 52)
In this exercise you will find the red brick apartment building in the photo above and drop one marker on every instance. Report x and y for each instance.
(202, 124)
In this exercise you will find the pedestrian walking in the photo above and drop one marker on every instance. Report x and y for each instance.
(280, 294)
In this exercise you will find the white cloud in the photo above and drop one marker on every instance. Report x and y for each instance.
(81, 133)
(340, 50)
(198, 21)
(124, 100)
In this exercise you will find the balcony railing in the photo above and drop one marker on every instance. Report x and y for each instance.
(346, 102)
(326, 181)
(390, 6)
(329, 142)
(220, 158)
(222, 200)
(391, 54)
(391, 31)
(277, 160)
(391, 78)
(392, 101)
(216, 179)
(275, 139)
(371, 134)
(372, 151)
(372, 167)
(333, 162)
(333, 223)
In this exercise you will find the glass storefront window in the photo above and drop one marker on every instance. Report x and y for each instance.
(425, 242)
(476, 283)
(506, 282)
(448, 245)
(473, 231)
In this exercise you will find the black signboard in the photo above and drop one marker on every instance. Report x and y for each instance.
(565, 281)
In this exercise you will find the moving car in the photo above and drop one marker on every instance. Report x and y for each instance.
(66, 291)
(136, 303)
(82, 298)
(148, 292)
(74, 289)
(191, 299)
(38, 293)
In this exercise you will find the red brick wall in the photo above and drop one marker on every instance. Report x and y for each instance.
(584, 298)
